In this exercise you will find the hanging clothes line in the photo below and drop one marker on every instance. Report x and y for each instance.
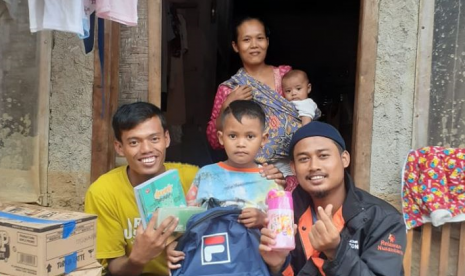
(74, 15)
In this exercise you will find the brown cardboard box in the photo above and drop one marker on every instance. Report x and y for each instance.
(94, 269)
(40, 241)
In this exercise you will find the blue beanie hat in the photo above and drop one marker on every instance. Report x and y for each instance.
(316, 128)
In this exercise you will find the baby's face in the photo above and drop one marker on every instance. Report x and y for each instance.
(296, 88)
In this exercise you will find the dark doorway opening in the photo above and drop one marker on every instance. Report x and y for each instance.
(318, 37)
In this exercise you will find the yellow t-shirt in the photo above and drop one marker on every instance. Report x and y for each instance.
(111, 198)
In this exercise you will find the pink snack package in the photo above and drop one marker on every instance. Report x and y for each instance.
(281, 218)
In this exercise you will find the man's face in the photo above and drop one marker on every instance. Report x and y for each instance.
(144, 148)
(319, 166)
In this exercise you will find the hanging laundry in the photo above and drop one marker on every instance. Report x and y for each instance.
(57, 15)
(183, 33)
(176, 102)
(122, 11)
(89, 40)
(433, 186)
(89, 8)
(175, 43)
(12, 7)
(167, 35)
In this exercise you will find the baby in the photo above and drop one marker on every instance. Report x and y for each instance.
(296, 88)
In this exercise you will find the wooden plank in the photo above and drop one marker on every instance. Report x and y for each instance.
(100, 107)
(426, 230)
(364, 93)
(96, 151)
(408, 254)
(43, 116)
(107, 71)
(114, 89)
(154, 16)
(444, 250)
(461, 258)
(423, 74)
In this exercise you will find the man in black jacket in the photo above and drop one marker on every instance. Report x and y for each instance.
(341, 230)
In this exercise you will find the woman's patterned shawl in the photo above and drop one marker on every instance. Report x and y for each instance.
(282, 118)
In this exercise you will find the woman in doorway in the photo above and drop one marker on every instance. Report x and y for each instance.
(261, 83)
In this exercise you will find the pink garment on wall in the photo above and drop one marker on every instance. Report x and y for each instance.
(433, 186)
(122, 11)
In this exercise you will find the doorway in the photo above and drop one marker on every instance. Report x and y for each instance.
(318, 38)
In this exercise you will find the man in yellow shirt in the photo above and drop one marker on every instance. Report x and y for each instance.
(123, 247)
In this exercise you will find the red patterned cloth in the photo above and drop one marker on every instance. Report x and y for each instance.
(291, 183)
(433, 186)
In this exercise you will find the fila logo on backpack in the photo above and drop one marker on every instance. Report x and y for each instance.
(216, 244)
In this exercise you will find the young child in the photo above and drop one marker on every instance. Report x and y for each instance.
(296, 88)
(237, 180)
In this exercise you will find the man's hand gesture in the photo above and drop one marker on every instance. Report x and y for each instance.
(324, 235)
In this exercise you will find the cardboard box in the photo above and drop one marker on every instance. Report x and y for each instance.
(40, 241)
(94, 269)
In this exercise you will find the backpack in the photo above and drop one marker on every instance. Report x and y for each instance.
(216, 244)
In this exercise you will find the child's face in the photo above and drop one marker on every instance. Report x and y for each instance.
(296, 88)
(242, 140)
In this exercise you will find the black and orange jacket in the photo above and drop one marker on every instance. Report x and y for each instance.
(373, 237)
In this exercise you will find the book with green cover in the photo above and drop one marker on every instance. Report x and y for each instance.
(164, 190)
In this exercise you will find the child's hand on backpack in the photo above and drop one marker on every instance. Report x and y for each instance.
(252, 218)
(174, 256)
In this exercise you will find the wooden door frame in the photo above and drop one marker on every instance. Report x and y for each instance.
(41, 159)
(154, 34)
(362, 132)
(105, 101)
(105, 97)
